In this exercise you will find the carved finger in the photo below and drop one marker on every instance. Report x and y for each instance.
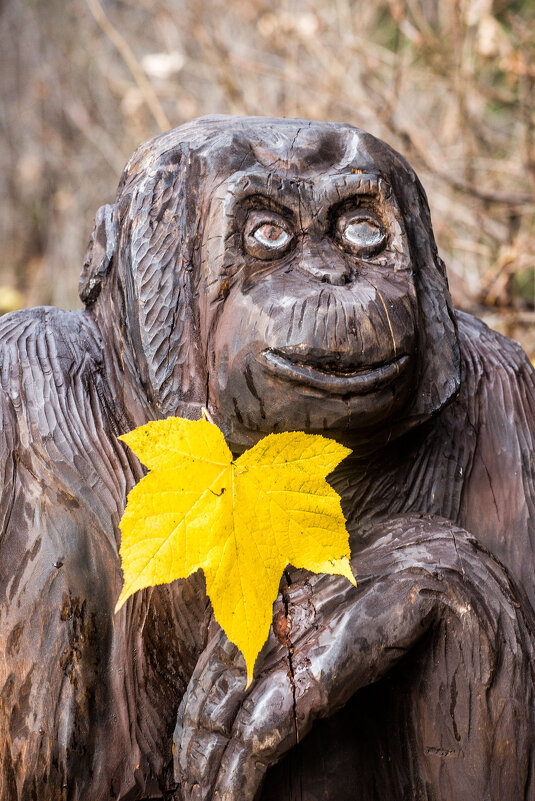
(206, 715)
(209, 707)
(264, 729)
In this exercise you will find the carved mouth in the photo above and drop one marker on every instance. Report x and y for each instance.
(338, 380)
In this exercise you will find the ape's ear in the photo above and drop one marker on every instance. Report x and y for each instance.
(99, 255)
(440, 358)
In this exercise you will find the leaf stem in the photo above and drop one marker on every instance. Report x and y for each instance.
(206, 415)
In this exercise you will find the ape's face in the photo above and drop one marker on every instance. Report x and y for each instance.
(282, 272)
(307, 303)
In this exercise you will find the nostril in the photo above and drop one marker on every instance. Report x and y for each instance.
(343, 280)
(336, 280)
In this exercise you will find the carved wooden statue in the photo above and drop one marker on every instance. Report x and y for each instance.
(284, 274)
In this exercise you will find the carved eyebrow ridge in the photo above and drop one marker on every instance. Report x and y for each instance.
(347, 185)
(332, 189)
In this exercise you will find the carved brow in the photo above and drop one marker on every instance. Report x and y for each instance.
(271, 202)
(272, 190)
(346, 186)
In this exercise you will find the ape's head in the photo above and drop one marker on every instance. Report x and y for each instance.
(283, 273)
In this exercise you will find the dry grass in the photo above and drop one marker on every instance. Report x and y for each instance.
(450, 84)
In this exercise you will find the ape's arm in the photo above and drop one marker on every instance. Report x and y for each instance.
(88, 699)
(422, 578)
(490, 432)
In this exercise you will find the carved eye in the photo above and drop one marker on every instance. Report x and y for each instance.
(267, 235)
(272, 236)
(361, 232)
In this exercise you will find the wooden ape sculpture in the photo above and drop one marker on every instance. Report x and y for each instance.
(284, 274)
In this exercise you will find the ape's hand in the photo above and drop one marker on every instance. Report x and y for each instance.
(340, 639)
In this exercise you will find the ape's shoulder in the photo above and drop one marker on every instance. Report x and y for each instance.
(42, 350)
(490, 355)
(51, 362)
(493, 426)
(58, 419)
(497, 396)
(46, 339)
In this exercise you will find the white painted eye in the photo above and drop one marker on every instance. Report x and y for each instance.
(268, 235)
(361, 232)
(272, 236)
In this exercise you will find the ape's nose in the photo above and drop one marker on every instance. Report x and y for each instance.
(326, 263)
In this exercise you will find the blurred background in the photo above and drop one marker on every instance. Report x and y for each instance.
(451, 84)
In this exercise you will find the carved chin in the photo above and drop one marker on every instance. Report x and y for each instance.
(278, 392)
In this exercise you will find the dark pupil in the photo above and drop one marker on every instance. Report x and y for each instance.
(270, 233)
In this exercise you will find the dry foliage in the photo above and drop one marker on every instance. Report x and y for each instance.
(450, 84)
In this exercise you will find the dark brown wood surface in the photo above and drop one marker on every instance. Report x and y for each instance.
(284, 274)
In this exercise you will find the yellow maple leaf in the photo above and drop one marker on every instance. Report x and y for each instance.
(242, 521)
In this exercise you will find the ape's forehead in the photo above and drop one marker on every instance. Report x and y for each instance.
(224, 145)
(287, 146)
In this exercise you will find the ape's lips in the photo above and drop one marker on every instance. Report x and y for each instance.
(339, 380)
